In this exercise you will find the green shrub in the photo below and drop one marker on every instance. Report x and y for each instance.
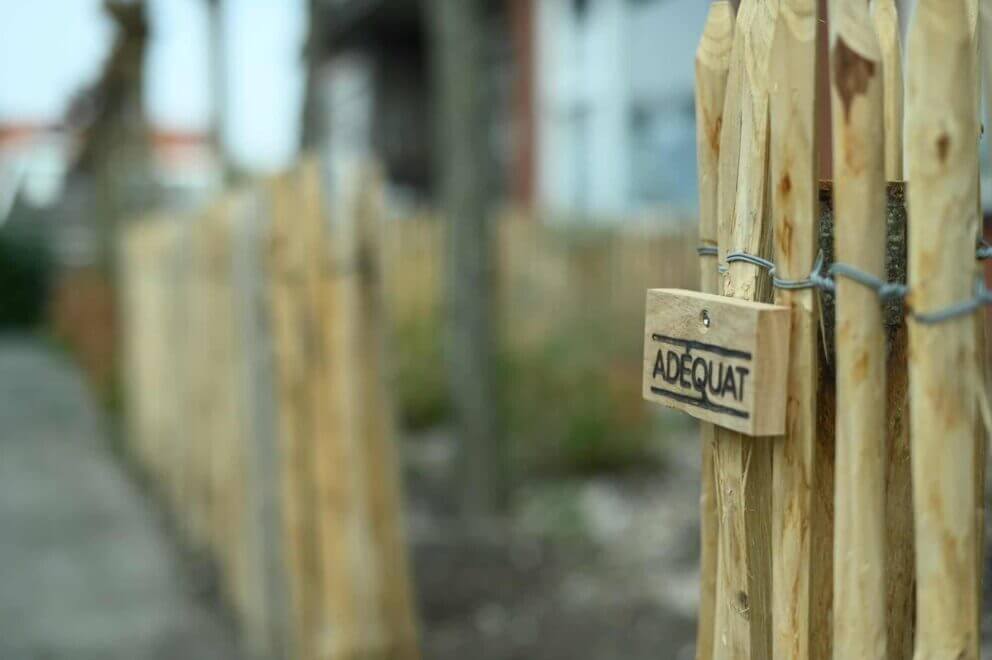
(570, 403)
(419, 373)
(573, 404)
(24, 277)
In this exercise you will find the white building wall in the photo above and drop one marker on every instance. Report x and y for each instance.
(615, 127)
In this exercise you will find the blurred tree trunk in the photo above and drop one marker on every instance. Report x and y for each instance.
(116, 155)
(460, 40)
(218, 80)
(314, 129)
(111, 182)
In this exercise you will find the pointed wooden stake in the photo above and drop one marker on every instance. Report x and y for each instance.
(712, 67)
(942, 157)
(795, 610)
(886, 20)
(743, 465)
(860, 212)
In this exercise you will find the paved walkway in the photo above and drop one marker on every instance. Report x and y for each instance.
(86, 570)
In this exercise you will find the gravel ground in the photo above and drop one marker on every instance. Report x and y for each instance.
(585, 569)
(87, 570)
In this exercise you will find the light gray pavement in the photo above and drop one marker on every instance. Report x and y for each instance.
(86, 569)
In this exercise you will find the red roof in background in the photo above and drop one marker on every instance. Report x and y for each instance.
(175, 149)
(12, 131)
(165, 139)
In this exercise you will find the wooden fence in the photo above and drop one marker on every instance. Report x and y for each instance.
(859, 533)
(257, 392)
(256, 402)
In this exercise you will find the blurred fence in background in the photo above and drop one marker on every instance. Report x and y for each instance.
(267, 344)
(570, 302)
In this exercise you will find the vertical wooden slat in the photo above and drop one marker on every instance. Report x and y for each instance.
(377, 428)
(860, 241)
(340, 468)
(743, 465)
(369, 610)
(712, 66)
(885, 18)
(201, 392)
(286, 253)
(186, 282)
(795, 610)
(266, 618)
(730, 129)
(942, 155)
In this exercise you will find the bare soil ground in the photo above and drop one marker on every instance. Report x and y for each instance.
(601, 568)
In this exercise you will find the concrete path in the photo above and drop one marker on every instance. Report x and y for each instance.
(86, 569)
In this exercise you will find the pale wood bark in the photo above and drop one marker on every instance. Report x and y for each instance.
(743, 465)
(730, 130)
(885, 18)
(712, 67)
(942, 157)
(860, 240)
(795, 212)
(286, 263)
(378, 428)
(367, 585)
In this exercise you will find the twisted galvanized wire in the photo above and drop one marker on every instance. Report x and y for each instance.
(886, 291)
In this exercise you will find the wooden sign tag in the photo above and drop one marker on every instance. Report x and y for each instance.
(721, 360)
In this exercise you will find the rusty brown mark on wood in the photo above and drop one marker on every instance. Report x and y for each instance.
(943, 146)
(852, 73)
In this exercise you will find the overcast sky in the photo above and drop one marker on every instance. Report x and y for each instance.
(50, 48)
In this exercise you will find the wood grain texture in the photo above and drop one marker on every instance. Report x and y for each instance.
(794, 211)
(712, 70)
(720, 360)
(728, 165)
(942, 156)
(286, 253)
(713, 59)
(368, 529)
(378, 426)
(743, 465)
(860, 241)
(885, 18)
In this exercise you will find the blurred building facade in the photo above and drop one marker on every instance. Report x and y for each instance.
(593, 98)
(369, 87)
(34, 158)
(615, 118)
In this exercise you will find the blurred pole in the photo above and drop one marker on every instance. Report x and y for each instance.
(460, 39)
(314, 109)
(522, 16)
(114, 174)
(218, 79)
(116, 152)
